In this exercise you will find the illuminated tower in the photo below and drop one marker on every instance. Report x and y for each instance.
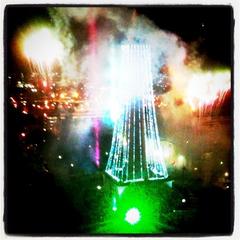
(136, 152)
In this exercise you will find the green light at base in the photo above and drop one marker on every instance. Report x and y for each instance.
(114, 209)
(133, 216)
(135, 208)
(120, 190)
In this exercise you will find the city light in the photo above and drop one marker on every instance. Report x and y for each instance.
(23, 134)
(24, 112)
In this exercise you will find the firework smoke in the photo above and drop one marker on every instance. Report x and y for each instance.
(88, 35)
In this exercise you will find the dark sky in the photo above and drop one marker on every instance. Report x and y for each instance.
(210, 27)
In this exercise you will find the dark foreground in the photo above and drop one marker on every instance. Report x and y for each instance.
(46, 195)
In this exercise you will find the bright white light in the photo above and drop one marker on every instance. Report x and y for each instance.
(226, 174)
(183, 200)
(205, 87)
(42, 46)
(99, 187)
(59, 156)
(129, 75)
(72, 165)
(114, 209)
(131, 67)
(133, 216)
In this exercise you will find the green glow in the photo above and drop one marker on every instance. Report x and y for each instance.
(138, 209)
(114, 208)
(120, 190)
(133, 216)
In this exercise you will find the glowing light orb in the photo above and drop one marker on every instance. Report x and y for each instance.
(42, 46)
(181, 161)
(133, 216)
(114, 209)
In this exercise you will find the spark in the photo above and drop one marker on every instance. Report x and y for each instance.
(24, 112)
(13, 102)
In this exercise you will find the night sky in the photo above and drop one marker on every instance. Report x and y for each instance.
(211, 27)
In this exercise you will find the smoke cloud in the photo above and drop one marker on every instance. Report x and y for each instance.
(88, 34)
